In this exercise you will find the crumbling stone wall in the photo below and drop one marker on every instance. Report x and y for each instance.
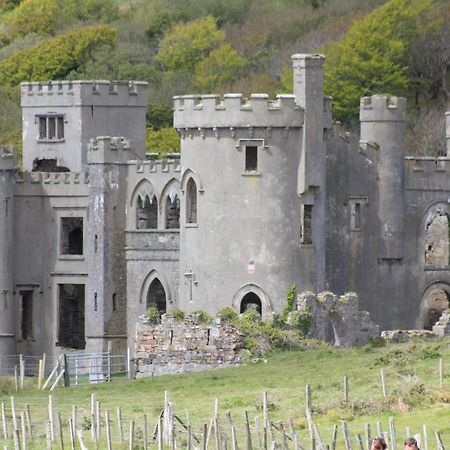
(175, 347)
(338, 319)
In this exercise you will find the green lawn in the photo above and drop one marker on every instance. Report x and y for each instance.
(412, 376)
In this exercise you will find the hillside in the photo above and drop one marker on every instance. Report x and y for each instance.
(411, 371)
(179, 46)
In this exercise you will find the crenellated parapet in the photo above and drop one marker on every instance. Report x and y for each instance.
(383, 108)
(7, 158)
(427, 172)
(53, 178)
(233, 110)
(149, 167)
(109, 150)
(89, 93)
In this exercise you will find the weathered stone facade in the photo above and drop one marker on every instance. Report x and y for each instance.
(266, 193)
(185, 346)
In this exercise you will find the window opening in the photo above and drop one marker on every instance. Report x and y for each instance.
(306, 225)
(114, 302)
(436, 302)
(51, 128)
(27, 314)
(172, 212)
(251, 302)
(156, 296)
(355, 215)
(47, 165)
(251, 159)
(95, 302)
(71, 235)
(147, 213)
(191, 201)
(71, 316)
(437, 250)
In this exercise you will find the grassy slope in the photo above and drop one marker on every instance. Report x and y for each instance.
(284, 376)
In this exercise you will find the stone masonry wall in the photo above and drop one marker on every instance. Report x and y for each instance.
(175, 347)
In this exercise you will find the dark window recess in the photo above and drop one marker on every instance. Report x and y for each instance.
(27, 314)
(71, 235)
(251, 159)
(172, 213)
(306, 225)
(156, 297)
(95, 302)
(355, 215)
(71, 316)
(51, 128)
(191, 201)
(251, 302)
(47, 165)
(114, 302)
(147, 213)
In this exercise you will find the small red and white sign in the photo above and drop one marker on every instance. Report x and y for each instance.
(251, 267)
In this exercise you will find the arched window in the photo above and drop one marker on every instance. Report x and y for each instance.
(172, 212)
(147, 213)
(156, 296)
(250, 302)
(435, 302)
(191, 201)
(437, 226)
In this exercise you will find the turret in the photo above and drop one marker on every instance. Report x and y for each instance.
(308, 90)
(7, 307)
(106, 292)
(383, 124)
(60, 118)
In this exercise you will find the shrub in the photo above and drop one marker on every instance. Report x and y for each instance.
(177, 314)
(291, 296)
(203, 316)
(152, 315)
(228, 314)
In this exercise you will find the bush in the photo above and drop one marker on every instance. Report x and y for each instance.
(203, 317)
(152, 315)
(177, 314)
(228, 314)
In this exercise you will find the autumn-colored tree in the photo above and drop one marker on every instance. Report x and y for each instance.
(220, 67)
(55, 58)
(186, 44)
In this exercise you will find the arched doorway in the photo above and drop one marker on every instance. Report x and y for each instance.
(156, 296)
(250, 302)
(435, 301)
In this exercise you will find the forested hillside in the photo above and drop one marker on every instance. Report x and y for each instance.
(401, 47)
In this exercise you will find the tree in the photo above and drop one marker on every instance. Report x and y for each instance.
(371, 58)
(163, 141)
(221, 66)
(185, 44)
(55, 58)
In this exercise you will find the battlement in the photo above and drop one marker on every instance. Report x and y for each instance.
(233, 110)
(427, 164)
(53, 178)
(106, 149)
(154, 166)
(382, 108)
(302, 60)
(84, 93)
(7, 157)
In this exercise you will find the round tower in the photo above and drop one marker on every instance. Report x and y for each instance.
(383, 124)
(7, 315)
(239, 242)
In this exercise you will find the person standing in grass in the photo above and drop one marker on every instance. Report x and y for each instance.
(378, 443)
(411, 444)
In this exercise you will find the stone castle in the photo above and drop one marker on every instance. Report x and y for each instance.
(266, 193)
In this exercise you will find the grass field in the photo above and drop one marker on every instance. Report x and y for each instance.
(414, 399)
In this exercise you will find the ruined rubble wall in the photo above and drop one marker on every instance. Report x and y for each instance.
(177, 347)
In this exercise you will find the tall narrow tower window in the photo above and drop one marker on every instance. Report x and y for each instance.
(251, 159)
(306, 224)
(191, 201)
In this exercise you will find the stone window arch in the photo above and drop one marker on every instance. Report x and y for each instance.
(147, 213)
(191, 201)
(156, 296)
(251, 293)
(250, 302)
(170, 203)
(436, 237)
(435, 299)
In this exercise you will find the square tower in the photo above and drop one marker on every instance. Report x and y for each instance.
(60, 117)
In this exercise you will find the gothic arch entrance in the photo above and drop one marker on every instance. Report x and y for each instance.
(156, 296)
(249, 302)
(435, 300)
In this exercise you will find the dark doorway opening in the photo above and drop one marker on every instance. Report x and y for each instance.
(251, 302)
(436, 302)
(156, 297)
(71, 316)
(71, 235)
